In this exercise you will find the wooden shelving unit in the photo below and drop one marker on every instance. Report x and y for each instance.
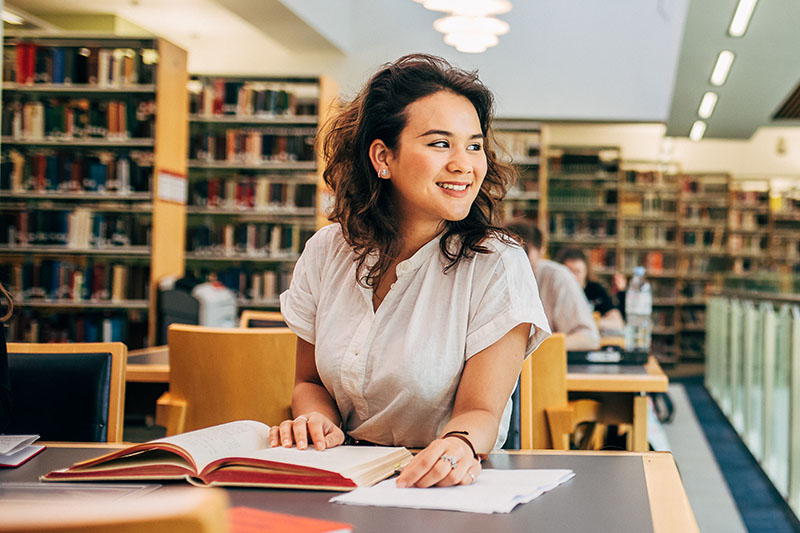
(89, 123)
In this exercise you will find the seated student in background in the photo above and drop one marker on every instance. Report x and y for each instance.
(5, 384)
(413, 310)
(564, 302)
(610, 317)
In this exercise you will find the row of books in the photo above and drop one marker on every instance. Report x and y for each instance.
(754, 244)
(693, 317)
(653, 262)
(703, 213)
(69, 170)
(31, 63)
(251, 284)
(253, 145)
(649, 234)
(257, 240)
(246, 192)
(224, 97)
(79, 228)
(713, 186)
(713, 238)
(29, 326)
(648, 177)
(81, 118)
(580, 196)
(569, 163)
(586, 226)
(65, 280)
(747, 220)
(648, 204)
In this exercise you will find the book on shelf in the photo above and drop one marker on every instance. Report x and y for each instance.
(252, 145)
(238, 454)
(252, 98)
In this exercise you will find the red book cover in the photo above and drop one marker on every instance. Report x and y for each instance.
(219, 96)
(247, 520)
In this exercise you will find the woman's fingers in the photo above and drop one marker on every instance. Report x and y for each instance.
(305, 429)
(300, 431)
(443, 463)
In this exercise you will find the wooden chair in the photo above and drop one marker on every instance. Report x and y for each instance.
(222, 374)
(175, 510)
(261, 319)
(547, 419)
(68, 392)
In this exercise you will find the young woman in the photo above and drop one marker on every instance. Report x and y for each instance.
(413, 310)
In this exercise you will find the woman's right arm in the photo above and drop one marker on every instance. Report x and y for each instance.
(316, 415)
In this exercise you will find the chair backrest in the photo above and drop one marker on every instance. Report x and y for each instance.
(261, 319)
(222, 374)
(68, 392)
(177, 510)
(543, 387)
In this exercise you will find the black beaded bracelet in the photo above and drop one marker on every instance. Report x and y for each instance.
(462, 436)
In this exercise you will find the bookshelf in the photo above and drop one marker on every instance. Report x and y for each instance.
(82, 143)
(254, 183)
(648, 198)
(582, 206)
(785, 225)
(521, 142)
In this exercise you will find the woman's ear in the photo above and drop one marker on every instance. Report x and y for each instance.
(380, 155)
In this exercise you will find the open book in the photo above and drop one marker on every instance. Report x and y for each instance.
(238, 454)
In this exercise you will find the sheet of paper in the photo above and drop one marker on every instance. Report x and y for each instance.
(12, 443)
(20, 456)
(495, 491)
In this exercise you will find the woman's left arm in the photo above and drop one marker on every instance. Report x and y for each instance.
(486, 384)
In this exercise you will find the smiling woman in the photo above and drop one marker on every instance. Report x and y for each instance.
(413, 310)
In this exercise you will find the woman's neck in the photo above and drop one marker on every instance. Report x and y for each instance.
(414, 238)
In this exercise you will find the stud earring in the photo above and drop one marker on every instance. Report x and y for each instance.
(384, 173)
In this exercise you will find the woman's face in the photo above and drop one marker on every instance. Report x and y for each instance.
(578, 268)
(439, 164)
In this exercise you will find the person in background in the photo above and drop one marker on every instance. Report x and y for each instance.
(5, 384)
(564, 302)
(414, 310)
(610, 316)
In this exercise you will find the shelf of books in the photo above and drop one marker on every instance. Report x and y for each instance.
(582, 204)
(749, 226)
(648, 198)
(703, 257)
(785, 224)
(79, 138)
(521, 143)
(253, 180)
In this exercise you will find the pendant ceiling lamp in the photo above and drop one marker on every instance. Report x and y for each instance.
(470, 26)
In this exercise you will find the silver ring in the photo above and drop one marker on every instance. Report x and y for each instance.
(304, 417)
(471, 475)
(453, 461)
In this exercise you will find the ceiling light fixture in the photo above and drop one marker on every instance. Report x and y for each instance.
(470, 28)
(698, 130)
(741, 17)
(707, 105)
(11, 18)
(722, 67)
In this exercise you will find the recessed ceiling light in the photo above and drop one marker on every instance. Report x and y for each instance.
(707, 105)
(698, 130)
(722, 67)
(741, 17)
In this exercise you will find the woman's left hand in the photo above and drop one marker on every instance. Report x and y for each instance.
(443, 463)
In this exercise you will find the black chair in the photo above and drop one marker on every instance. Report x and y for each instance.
(68, 392)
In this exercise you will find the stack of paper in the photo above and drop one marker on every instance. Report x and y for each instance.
(495, 491)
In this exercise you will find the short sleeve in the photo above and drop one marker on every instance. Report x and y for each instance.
(299, 301)
(504, 295)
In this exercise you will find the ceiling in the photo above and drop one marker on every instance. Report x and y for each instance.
(571, 60)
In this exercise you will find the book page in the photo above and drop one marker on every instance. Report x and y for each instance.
(341, 459)
(13, 443)
(225, 440)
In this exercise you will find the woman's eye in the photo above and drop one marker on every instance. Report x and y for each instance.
(476, 147)
(440, 144)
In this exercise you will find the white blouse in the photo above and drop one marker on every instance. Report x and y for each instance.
(394, 372)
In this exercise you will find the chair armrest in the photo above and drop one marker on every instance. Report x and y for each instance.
(171, 413)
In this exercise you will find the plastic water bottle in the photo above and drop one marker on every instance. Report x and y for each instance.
(639, 311)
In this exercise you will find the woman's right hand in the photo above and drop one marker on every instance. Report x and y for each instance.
(314, 426)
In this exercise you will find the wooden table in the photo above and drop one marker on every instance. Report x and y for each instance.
(622, 390)
(611, 492)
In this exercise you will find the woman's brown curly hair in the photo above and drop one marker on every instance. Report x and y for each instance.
(362, 202)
